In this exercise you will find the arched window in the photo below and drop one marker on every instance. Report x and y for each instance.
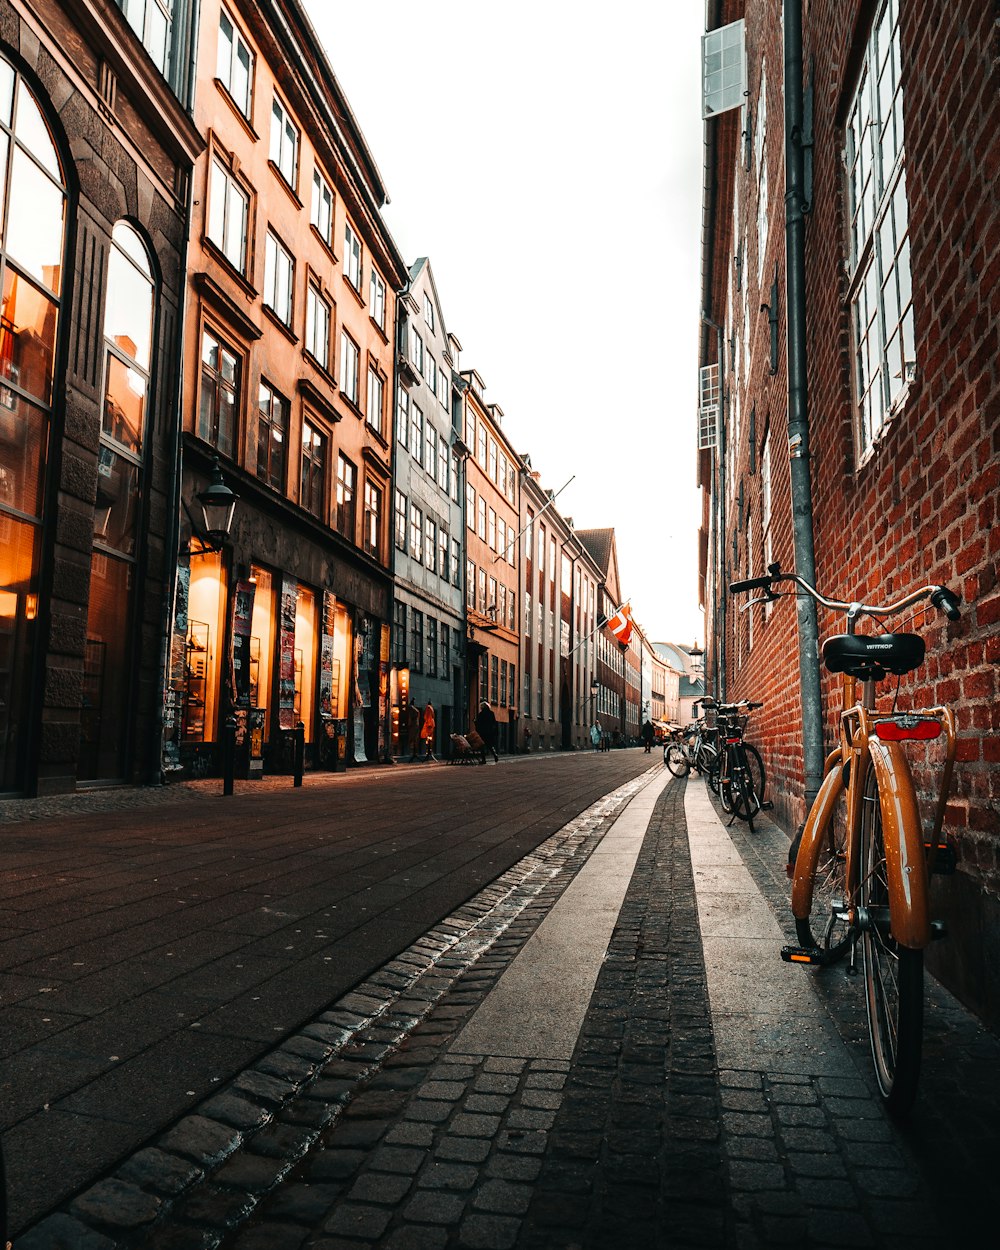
(32, 241)
(128, 332)
(33, 208)
(129, 321)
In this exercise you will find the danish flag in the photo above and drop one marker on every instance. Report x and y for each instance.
(621, 624)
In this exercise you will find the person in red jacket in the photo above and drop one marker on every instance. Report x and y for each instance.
(427, 731)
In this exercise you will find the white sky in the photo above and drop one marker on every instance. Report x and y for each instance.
(547, 157)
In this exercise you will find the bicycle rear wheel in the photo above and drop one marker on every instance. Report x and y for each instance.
(894, 974)
(676, 760)
(826, 926)
(745, 799)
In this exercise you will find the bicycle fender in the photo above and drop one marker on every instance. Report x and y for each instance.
(902, 833)
(809, 844)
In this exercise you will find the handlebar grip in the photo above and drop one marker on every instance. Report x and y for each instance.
(947, 601)
(754, 705)
(750, 583)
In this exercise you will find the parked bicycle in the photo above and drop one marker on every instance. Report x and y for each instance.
(739, 778)
(690, 748)
(860, 875)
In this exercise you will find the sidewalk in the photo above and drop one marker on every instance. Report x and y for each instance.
(601, 1049)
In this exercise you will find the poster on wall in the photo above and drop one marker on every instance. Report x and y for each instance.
(242, 616)
(360, 695)
(328, 668)
(286, 656)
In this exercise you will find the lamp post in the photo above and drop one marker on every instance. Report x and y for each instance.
(217, 503)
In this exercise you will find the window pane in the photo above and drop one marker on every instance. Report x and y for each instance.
(117, 501)
(23, 431)
(32, 131)
(128, 315)
(124, 405)
(35, 221)
(28, 321)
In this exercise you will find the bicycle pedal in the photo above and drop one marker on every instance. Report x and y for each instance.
(944, 861)
(801, 955)
(939, 930)
(767, 807)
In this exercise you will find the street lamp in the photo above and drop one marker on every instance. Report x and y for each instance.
(217, 505)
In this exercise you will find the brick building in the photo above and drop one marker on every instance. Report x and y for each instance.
(97, 146)
(902, 262)
(558, 624)
(492, 508)
(610, 658)
(288, 382)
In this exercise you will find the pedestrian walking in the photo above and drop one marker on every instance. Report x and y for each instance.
(414, 721)
(648, 734)
(486, 727)
(427, 731)
(595, 736)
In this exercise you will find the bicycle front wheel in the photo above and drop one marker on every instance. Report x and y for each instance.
(676, 760)
(745, 799)
(894, 974)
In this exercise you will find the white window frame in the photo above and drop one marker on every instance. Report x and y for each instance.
(228, 61)
(227, 228)
(284, 146)
(319, 316)
(279, 278)
(350, 365)
(352, 256)
(880, 295)
(376, 298)
(321, 209)
(375, 410)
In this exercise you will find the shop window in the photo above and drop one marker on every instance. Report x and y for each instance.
(306, 653)
(32, 238)
(262, 643)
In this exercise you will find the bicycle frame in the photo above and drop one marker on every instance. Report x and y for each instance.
(908, 858)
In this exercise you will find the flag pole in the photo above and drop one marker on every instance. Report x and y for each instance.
(502, 554)
(587, 637)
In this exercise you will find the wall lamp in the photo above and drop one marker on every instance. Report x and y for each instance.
(212, 521)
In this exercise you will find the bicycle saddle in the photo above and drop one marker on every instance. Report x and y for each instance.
(870, 656)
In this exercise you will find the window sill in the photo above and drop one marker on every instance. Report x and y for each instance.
(285, 329)
(324, 244)
(241, 117)
(311, 393)
(293, 195)
(379, 330)
(240, 278)
(354, 290)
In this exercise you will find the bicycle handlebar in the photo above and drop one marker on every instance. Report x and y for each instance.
(944, 600)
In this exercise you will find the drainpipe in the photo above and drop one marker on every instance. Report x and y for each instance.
(719, 581)
(798, 412)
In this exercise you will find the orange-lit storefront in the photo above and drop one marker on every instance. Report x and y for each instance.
(274, 649)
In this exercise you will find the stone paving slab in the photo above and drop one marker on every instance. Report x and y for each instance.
(310, 1080)
(651, 1134)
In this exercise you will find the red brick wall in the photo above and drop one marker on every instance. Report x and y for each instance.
(923, 507)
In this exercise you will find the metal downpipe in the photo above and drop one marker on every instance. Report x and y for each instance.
(798, 412)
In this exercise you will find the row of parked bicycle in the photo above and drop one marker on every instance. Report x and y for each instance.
(732, 766)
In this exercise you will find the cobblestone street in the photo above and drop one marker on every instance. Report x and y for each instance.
(455, 1097)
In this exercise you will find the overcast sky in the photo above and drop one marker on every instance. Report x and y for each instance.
(547, 157)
